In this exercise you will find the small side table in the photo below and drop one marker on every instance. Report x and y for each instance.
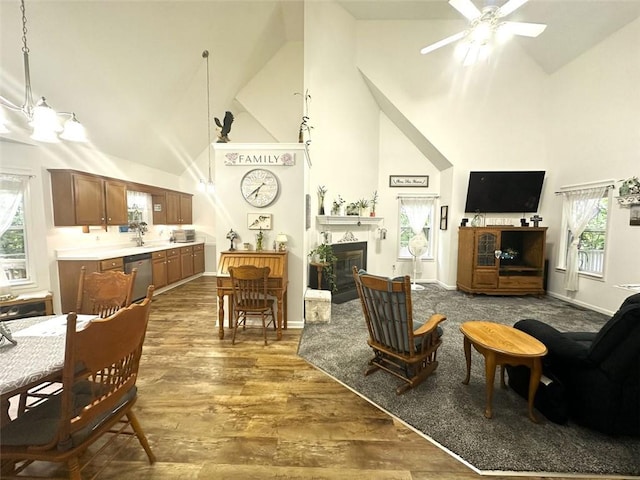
(27, 305)
(503, 345)
(319, 266)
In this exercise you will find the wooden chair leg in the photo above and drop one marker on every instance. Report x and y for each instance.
(264, 327)
(236, 320)
(74, 468)
(137, 428)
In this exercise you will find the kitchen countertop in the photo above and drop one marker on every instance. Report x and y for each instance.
(115, 251)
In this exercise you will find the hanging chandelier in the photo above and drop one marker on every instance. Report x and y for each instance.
(44, 121)
(208, 186)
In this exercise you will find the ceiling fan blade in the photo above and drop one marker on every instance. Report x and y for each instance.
(466, 8)
(443, 42)
(523, 28)
(510, 6)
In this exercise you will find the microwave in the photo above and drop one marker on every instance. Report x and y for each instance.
(184, 236)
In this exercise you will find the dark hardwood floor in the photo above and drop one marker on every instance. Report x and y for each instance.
(212, 410)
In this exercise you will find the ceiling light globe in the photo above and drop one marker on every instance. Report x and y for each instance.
(44, 117)
(482, 33)
(74, 131)
(42, 134)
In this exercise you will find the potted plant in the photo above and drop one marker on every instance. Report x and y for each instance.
(338, 206)
(325, 259)
(362, 204)
(374, 202)
(322, 191)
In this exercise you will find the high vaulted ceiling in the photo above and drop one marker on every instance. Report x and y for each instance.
(133, 70)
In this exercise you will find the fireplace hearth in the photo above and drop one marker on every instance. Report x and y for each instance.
(349, 254)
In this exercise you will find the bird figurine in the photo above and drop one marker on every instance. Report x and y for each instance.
(225, 127)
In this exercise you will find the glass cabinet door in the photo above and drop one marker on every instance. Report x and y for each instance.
(487, 244)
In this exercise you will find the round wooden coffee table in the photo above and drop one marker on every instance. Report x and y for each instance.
(503, 345)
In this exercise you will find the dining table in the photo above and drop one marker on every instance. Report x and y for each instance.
(37, 357)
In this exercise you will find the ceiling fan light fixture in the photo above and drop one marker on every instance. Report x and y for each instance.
(485, 29)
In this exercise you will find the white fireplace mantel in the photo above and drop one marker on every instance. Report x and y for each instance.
(347, 220)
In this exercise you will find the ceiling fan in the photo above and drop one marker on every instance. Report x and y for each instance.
(484, 27)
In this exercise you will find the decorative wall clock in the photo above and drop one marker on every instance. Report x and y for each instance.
(259, 187)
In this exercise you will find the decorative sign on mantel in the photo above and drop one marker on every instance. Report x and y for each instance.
(408, 180)
(257, 157)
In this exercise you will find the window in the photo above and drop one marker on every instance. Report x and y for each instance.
(584, 224)
(416, 217)
(14, 258)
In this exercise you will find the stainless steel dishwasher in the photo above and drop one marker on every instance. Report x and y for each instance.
(144, 275)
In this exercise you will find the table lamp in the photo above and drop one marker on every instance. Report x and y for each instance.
(282, 240)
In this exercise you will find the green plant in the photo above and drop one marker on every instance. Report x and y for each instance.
(362, 204)
(324, 254)
(374, 201)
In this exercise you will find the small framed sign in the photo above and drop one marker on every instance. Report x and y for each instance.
(408, 180)
(259, 221)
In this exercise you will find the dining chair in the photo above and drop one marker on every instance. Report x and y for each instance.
(250, 297)
(103, 293)
(400, 346)
(98, 392)
(99, 293)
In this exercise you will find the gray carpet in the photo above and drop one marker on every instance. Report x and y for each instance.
(452, 413)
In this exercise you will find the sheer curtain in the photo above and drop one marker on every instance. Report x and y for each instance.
(12, 189)
(417, 210)
(579, 207)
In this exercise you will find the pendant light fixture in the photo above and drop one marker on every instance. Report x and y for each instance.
(44, 121)
(208, 186)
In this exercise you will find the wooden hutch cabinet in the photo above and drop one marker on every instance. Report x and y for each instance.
(501, 260)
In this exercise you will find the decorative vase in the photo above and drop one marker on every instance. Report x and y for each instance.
(321, 209)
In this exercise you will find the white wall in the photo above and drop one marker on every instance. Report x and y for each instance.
(579, 124)
(505, 115)
(593, 134)
(288, 212)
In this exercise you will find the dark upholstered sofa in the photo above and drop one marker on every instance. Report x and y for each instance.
(596, 376)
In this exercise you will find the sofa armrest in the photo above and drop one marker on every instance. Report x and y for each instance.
(560, 345)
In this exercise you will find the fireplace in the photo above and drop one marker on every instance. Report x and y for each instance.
(349, 254)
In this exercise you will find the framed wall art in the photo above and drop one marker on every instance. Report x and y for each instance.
(259, 221)
(444, 217)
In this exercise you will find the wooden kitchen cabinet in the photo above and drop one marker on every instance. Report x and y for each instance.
(186, 261)
(159, 268)
(159, 208)
(179, 208)
(198, 259)
(174, 270)
(501, 260)
(69, 275)
(82, 199)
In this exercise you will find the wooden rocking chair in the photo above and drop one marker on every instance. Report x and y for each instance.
(399, 349)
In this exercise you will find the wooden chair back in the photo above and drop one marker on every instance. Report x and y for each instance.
(104, 293)
(249, 284)
(388, 311)
(407, 352)
(101, 364)
(99, 390)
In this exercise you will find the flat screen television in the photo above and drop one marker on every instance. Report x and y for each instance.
(504, 192)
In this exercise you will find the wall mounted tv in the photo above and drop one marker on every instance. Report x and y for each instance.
(504, 192)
